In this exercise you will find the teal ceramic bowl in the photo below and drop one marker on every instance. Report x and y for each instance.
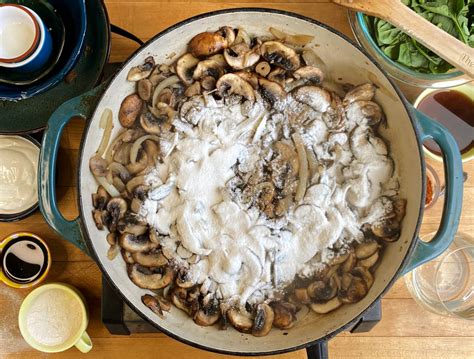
(397, 71)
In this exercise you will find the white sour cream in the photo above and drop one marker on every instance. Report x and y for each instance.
(18, 174)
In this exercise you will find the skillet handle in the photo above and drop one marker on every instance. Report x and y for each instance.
(424, 252)
(79, 106)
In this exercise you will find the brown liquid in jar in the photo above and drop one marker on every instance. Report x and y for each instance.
(455, 110)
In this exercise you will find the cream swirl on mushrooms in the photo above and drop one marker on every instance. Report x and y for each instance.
(247, 185)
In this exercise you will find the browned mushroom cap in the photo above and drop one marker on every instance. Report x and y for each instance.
(366, 249)
(207, 43)
(271, 91)
(311, 74)
(194, 89)
(233, 84)
(134, 244)
(302, 295)
(208, 83)
(130, 109)
(213, 66)
(365, 92)
(150, 278)
(152, 124)
(242, 322)
(284, 315)
(365, 274)
(138, 73)
(117, 207)
(316, 97)
(263, 321)
(209, 313)
(387, 229)
(98, 166)
(369, 261)
(178, 298)
(353, 289)
(153, 303)
(127, 256)
(100, 198)
(153, 258)
(326, 307)
(280, 55)
(144, 89)
(185, 67)
(321, 291)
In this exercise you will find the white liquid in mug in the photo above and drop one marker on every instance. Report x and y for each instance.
(15, 39)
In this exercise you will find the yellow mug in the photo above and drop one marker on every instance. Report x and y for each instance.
(80, 339)
(12, 244)
(467, 89)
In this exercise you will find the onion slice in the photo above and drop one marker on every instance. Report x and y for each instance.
(299, 40)
(110, 188)
(169, 81)
(303, 170)
(138, 143)
(107, 125)
(110, 151)
(123, 173)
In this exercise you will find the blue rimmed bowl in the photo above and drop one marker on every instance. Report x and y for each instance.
(399, 72)
(73, 15)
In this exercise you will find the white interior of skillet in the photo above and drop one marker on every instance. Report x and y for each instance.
(346, 64)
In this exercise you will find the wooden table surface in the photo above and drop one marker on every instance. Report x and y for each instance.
(406, 330)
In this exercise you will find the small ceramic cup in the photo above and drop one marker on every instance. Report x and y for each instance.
(467, 89)
(25, 42)
(25, 260)
(80, 339)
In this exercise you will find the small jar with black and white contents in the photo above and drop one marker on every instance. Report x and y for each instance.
(25, 260)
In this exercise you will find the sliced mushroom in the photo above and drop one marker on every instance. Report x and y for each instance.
(349, 263)
(315, 97)
(138, 73)
(111, 238)
(135, 244)
(184, 279)
(228, 34)
(127, 257)
(178, 298)
(326, 307)
(122, 154)
(152, 124)
(213, 66)
(117, 207)
(99, 218)
(209, 314)
(207, 43)
(365, 274)
(399, 207)
(98, 166)
(138, 166)
(280, 55)
(366, 249)
(263, 321)
(233, 84)
(144, 89)
(271, 91)
(239, 321)
(130, 109)
(368, 111)
(250, 77)
(387, 229)
(321, 291)
(302, 295)
(193, 90)
(185, 68)
(369, 261)
(284, 317)
(208, 83)
(353, 289)
(338, 258)
(152, 303)
(278, 75)
(148, 278)
(311, 74)
(365, 92)
(150, 259)
(241, 57)
(263, 68)
(100, 198)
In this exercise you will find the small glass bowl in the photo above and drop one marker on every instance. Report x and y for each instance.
(399, 72)
(432, 177)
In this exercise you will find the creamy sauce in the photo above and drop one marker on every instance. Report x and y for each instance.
(242, 255)
(18, 174)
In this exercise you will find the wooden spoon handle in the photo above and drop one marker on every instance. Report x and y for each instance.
(395, 12)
